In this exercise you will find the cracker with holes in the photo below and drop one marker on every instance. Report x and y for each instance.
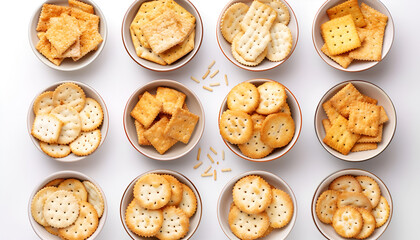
(152, 191)
(181, 125)
(176, 190)
(258, 16)
(175, 224)
(369, 224)
(349, 7)
(257, 119)
(252, 194)
(236, 126)
(70, 94)
(370, 189)
(46, 128)
(339, 137)
(331, 112)
(326, 124)
(326, 205)
(38, 202)
(43, 104)
(272, 97)
(364, 118)
(143, 222)
(283, 15)
(55, 182)
(91, 115)
(255, 148)
(381, 212)
(140, 134)
(86, 143)
(240, 59)
(157, 137)
(342, 100)
(146, 109)
(230, 24)
(280, 211)
(171, 99)
(74, 186)
(354, 199)
(188, 202)
(72, 124)
(84, 226)
(253, 42)
(243, 97)
(55, 150)
(343, 59)
(347, 222)
(247, 226)
(371, 48)
(281, 42)
(277, 130)
(144, 52)
(173, 54)
(94, 197)
(345, 183)
(61, 209)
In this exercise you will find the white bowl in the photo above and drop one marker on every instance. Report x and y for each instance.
(278, 152)
(326, 229)
(40, 230)
(129, 47)
(68, 64)
(128, 197)
(373, 91)
(226, 47)
(356, 66)
(179, 149)
(89, 92)
(225, 199)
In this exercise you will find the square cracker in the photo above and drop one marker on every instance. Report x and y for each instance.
(180, 11)
(146, 109)
(327, 124)
(343, 59)
(46, 49)
(82, 6)
(253, 43)
(258, 15)
(369, 100)
(89, 40)
(171, 99)
(140, 134)
(144, 52)
(63, 32)
(180, 50)
(157, 137)
(364, 147)
(73, 51)
(371, 49)
(135, 28)
(348, 7)
(340, 35)
(339, 137)
(331, 112)
(369, 139)
(49, 11)
(343, 98)
(181, 125)
(373, 18)
(85, 17)
(364, 118)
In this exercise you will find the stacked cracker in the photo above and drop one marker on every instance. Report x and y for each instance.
(354, 206)
(67, 32)
(161, 207)
(258, 208)
(68, 208)
(355, 121)
(66, 121)
(353, 33)
(258, 31)
(163, 119)
(258, 120)
(162, 31)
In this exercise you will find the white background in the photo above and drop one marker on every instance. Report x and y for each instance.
(115, 76)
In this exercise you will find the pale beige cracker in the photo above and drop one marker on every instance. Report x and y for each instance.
(381, 212)
(86, 143)
(283, 15)
(72, 123)
(46, 128)
(90, 38)
(369, 139)
(94, 197)
(180, 11)
(156, 136)
(240, 59)
(143, 222)
(171, 99)
(339, 137)
(259, 15)
(91, 115)
(176, 190)
(257, 119)
(358, 147)
(369, 224)
(37, 204)
(281, 42)
(49, 11)
(144, 52)
(182, 125)
(326, 205)
(135, 28)
(173, 54)
(272, 97)
(70, 94)
(277, 130)
(188, 203)
(364, 118)
(371, 48)
(230, 24)
(43, 104)
(63, 32)
(267, 232)
(45, 48)
(55, 182)
(348, 7)
(55, 150)
(82, 6)
(347, 222)
(175, 224)
(76, 187)
(345, 183)
(340, 35)
(327, 124)
(140, 134)
(247, 226)
(280, 211)
(370, 189)
(146, 109)
(85, 225)
(342, 59)
(152, 191)
(243, 97)
(331, 112)
(61, 209)
(236, 127)
(255, 148)
(73, 51)
(252, 194)
(342, 100)
(253, 43)
(374, 18)
(383, 117)
(354, 199)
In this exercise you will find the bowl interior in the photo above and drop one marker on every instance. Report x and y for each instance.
(68, 64)
(128, 44)
(278, 152)
(89, 92)
(128, 197)
(225, 46)
(40, 230)
(326, 229)
(225, 200)
(179, 149)
(356, 66)
(372, 91)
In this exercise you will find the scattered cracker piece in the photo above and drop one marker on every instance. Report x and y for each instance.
(214, 151)
(37, 204)
(146, 109)
(277, 130)
(253, 43)
(195, 79)
(140, 134)
(358, 147)
(347, 222)
(258, 15)
(206, 74)
(354, 199)
(71, 94)
(215, 175)
(171, 99)
(43, 104)
(152, 191)
(46, 128)
(55, 150)
(182, 125)
(243, 97)
(364, 118)
(214, 84)
(95, 197)
(381, 212)
(173, 54)
(188, 203)
(236, 126)
(272, 97)
(240, 59)
(63, 32)
(207, 174)
(211, 64)
(283, 15)
(226, 170)
(214, 74)
(226, 80)
(86, 143)
(281, 42)
(247, 226)
(211, 159)
(208, 89)
(85, 225)
(91, 115)
(343, 59)
(175, 223)
(74, 186)
(61, 209)
(342, 100)
(345, 184)
(252, 194)
(280, 211)
(230, 24)
(198, 154)
(345, 8)
(144, 52)
(223, 154)
(143, 222)
(82, 6)
(198, 165)
(158, 139)
(326, 205)
(207, 169)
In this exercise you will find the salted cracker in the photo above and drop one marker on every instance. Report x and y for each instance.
(43, 104)
(342, 100)
(152, 191)
(86, 143)
(354, 199)
(277, 130)
(230, 24)
(85, 225)
(146, 109)
(370, 189)
(176, 190)
(283, 15)
(348, 7)
(347, 222)
(255, 148)
(143, 222)
(252, 194)
(72, 123)
(156, 136)
(371, 48)
(342, 59)
(243, 97)
(345, 183)
(63, 32)
(247, 226)
(175, 224)
(140, 133)
(46, 128)
(188, 203)
(364, 118)
(173, 54)
(240, 59)
(49, 11)
(82, 6)
(381, 212)
(254, 41)
(236, 126)
(55, 150)
(326, 205)
(369, 224)
(258, 16)
(37, 204)
(281, 42)
(74, 186)
(144, 52)
(61, 209)
(272, 97)
(171, 99)
(280, 210)
(94, 197)
(70, 94)
(182, 125)
(91, 115)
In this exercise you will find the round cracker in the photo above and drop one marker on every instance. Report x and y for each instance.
(72, 123)
(55, 182)
(43, 104)
(188, 203)
(243, 97)
(326, 205)
(278, 130)
(61, 209)
(281, 42)
(354, 199)
(175, 224)
(55, 150)
(236, 127)
(280, 211)
(247, 226)
(381, 212)
(283, 15)
(369, 224)
(52, 230)
(272, 97)
(345, 183)
(91, 115)
(76, 187)
(94, 197)
(37, 204)
(347, 222)
(370, 189)
(152, 191)
(230, 23)
(176, 190)
(86, 143)
(252, 194)
(240, 59)
(141, 221)
(255, 148)
(70, 94)
(85, 225)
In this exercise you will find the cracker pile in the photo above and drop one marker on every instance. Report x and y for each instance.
(258, 120)
(68, 208)
(354, 206)
(355, 121)
(163, 119)
(258, 208)
(66, 121)
(161, 207)
(353, 33)
(67, 32)
(258, 31)
(162, 31)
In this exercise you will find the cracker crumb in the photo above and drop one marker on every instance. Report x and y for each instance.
(211, 159)
(198, 165)
(214, 151)
(208, 89)
(226, 80)
(217, 162)
(214, 84)
(208, 169)
(226, 170)
(198, 154)
(207, 174)
(215, 175)
(195, 79)
(206, 74)
(223, 154)
(211, 64)
(214, 74)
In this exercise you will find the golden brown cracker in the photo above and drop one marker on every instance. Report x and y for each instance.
(82, 6)
(257, 119)
(171, 99)
(383, 117)
(243, 97)
(371, 48)
(255, 148)
(74, 186)
(146, 109)
(345, 183)
(37, 204)
(85, 225)
(43, 104)
(343, 59)
(182, 125)
(345, 8)
(61, 209)
(339, 137)
(281, 209)
(236, 126)
(45, 48)
(156, 136)
(252, 194)
(272, 97)
(86, 143)
(247, 226)
(277, 130)
(327, 124)
(55, 150)
(326, 205)
(331, 112)
(343, 99)
(144, 52)
(369, 224)
(63, 32)
(152, 191)
(143, 222)
(347, 222)
(281, 42)
(381, 212)
(370, 189)
(173, 54)
(175, 223)
(188, 203)
(140, 134)
(374, 18)
(176, 190)
(49, 11)
(375, 139)
(364, 118)
(354, 199)
(358, 147)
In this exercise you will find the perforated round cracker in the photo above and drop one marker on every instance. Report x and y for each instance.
(381, 212)
(240, 59)
(281, 42)
(236, 126)
(257, 119)
(37, 204)
(280, 211)
(70, 94)
(61, 209)
(283, 15)
(370, 189)
(91, 115)
(55, 150)
(345, 184)
(369, 224)
(176, 190)
(52, 230)
(72, 123)
(43, 104)
(326, 205)
(354, 199)
(347, 222)
(252, 194)
(247, 226)
(243, 97)
(255, 148)
(86, 143)
(55, 182)
(278, 130)
(85, 225)
(152, 191)
(175, 224)
(94, 197)
(272, 97)
(141, 221)
(74, 186)
(46, 128)
(188, 203)
(230, 24)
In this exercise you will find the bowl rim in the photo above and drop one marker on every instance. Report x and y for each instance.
(168, 67)
(249, 68)
(336, 65)
(76, 175)
(163, 83)
(44, 60)
(199, 202)
(273, 158)
(259, 173)
(313, 202)
(103, 133)
(319, 107)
